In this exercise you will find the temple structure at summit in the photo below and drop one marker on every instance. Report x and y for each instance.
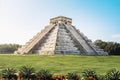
(60, 37)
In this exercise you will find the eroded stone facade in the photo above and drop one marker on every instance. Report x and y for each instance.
(60, 37)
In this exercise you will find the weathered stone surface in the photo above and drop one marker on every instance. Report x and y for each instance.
(60, 37)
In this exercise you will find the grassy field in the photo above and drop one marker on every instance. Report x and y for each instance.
(61, 64)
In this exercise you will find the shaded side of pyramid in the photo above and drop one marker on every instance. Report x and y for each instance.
(60, 37)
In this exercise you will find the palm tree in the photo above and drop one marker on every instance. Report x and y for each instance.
(89, 74)
(43, 75)
(73, 76)
(27, 72)
(113, 74)
(9, 74)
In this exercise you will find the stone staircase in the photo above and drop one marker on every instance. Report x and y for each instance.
(49, 43)
(79, 38)
(86, 43)
(29, 45)
(65, 45)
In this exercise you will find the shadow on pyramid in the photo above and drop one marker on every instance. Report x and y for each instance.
(60, 37)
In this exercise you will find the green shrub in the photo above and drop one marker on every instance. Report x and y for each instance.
(101, 77)
(113, 74)
(89, 74)
(73, 76)
(43, 75)
(9, 74)
(27, 72)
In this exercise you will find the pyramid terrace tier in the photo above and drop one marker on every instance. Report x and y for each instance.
(60, 37)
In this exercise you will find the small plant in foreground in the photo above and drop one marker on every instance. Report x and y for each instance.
(73, 76)
(59, 77)
(89, 74)
(27, 72)
(113, 74)
(9, 74)
(43, 75)
(101, 77)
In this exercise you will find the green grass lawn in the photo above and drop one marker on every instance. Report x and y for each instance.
(61, 64)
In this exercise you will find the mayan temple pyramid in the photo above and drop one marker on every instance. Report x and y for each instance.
(60, 37)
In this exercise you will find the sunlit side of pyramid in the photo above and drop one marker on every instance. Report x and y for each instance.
(60, 37)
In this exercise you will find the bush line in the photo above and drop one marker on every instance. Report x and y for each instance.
(29, 73)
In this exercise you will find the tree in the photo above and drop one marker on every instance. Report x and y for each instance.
(89, 74)
(27, 72)
(9, 48)
(43, 75)
(73, 76)
(112, 48)
(9, 74)
(113, 74)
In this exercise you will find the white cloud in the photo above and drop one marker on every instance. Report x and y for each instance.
(116, 36)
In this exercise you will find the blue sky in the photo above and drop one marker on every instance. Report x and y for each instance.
(20, 20)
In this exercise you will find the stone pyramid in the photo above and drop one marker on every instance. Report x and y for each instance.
(60, 37)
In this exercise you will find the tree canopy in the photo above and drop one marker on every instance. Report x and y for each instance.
(8, 48)
(113, 48)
